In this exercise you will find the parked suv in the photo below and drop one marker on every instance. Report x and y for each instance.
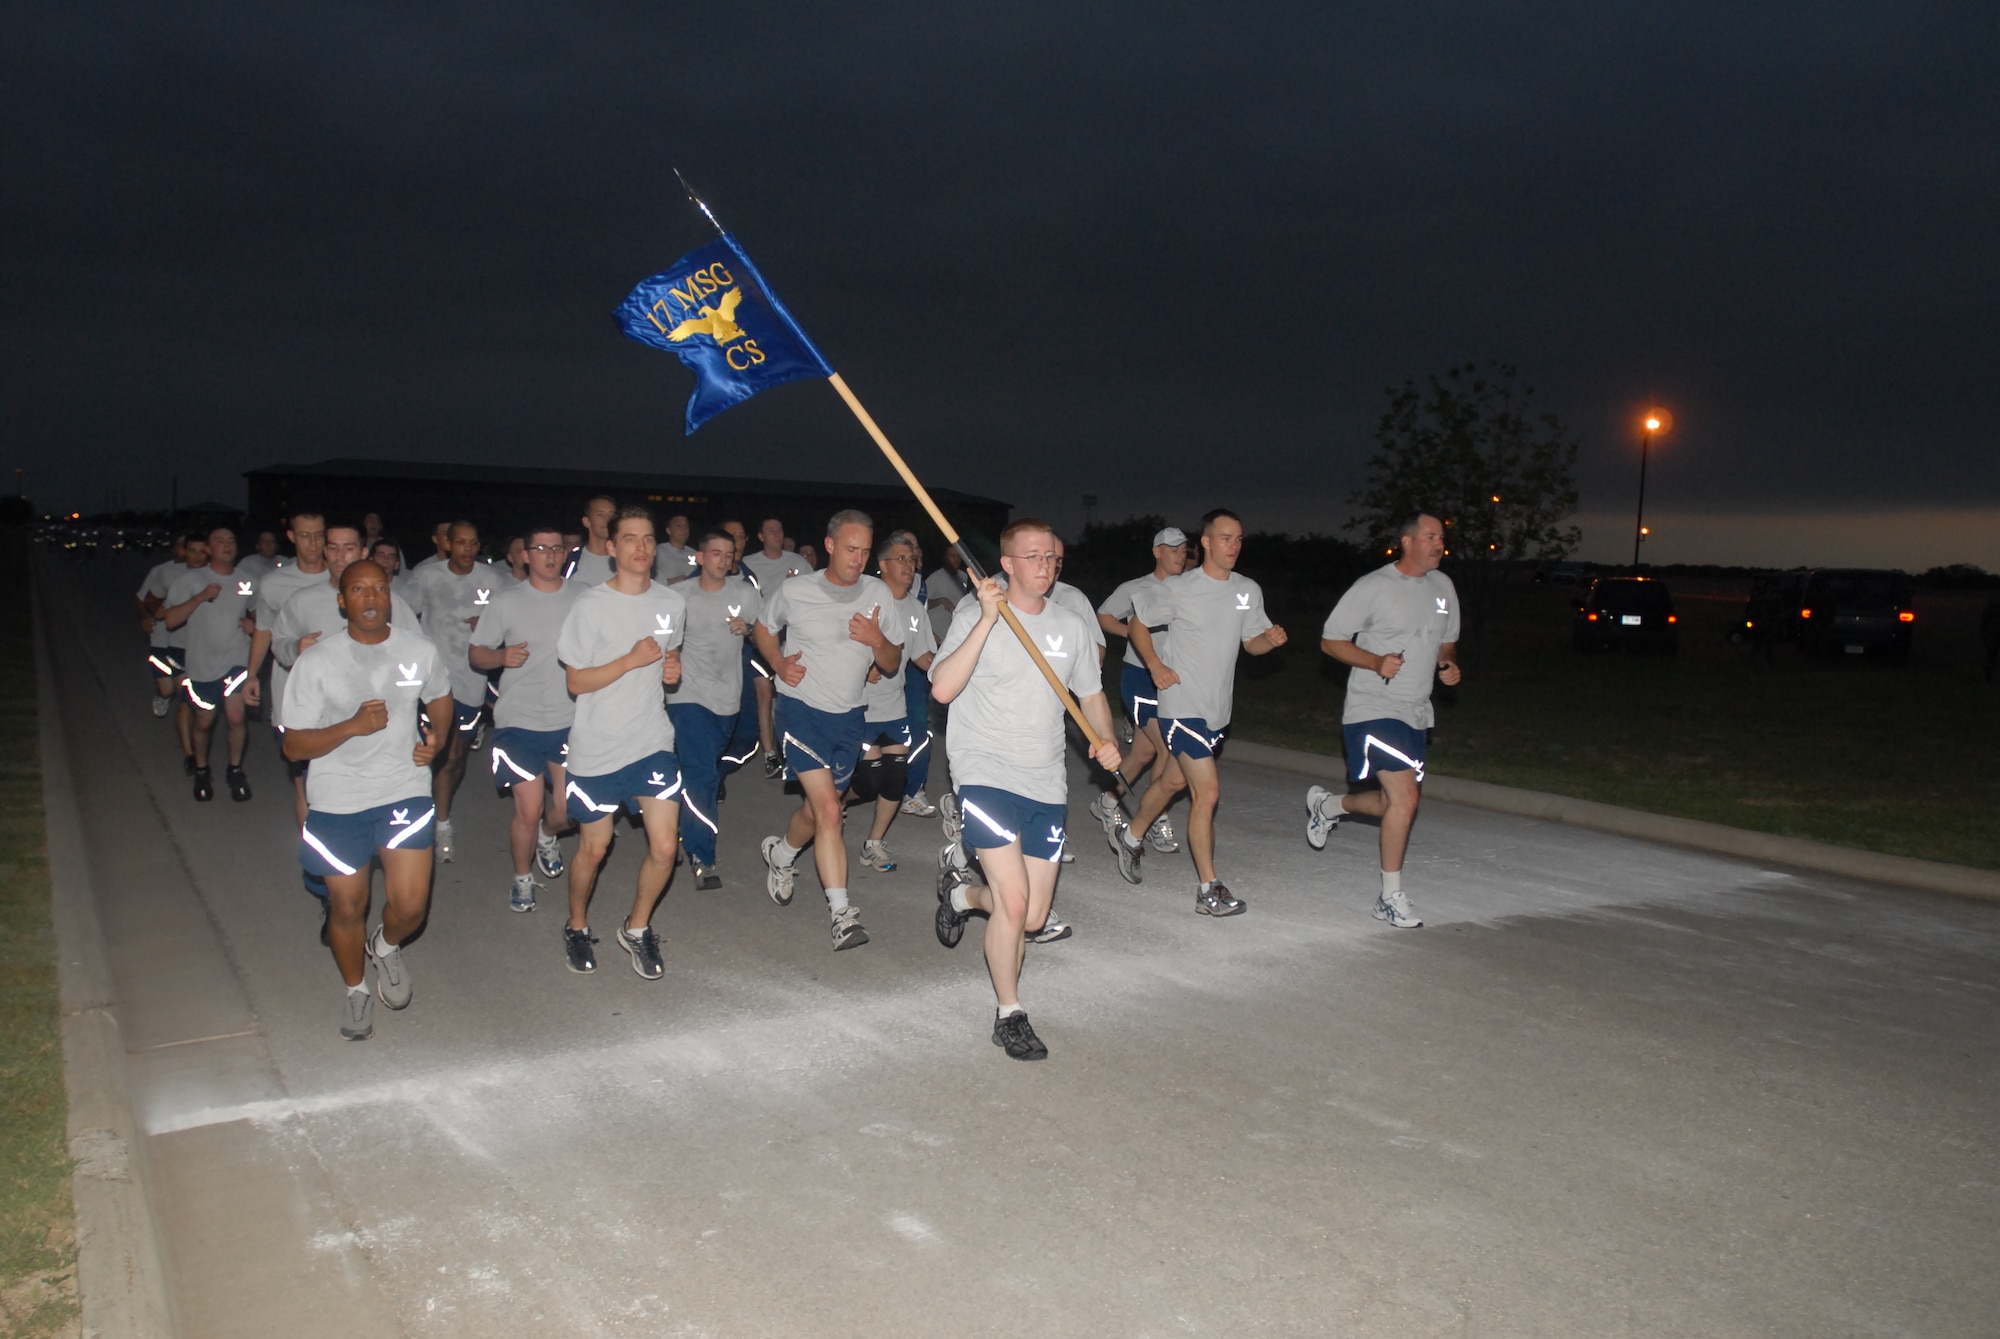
(1772, 611)
(1627, 611)
(1855, 610)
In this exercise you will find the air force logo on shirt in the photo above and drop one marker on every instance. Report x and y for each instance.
(409, 679)
(243, 588)
(913, 622)
(1243, 600)
(482, 596)
(666, 622)
(1055, 642)
(1442, 608)
(736, 611)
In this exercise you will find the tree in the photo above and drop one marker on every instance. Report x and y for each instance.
(1473, 450)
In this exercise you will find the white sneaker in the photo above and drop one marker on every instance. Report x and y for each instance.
(1395, 909)
(1323, 814)
(948, 815)
(919, 806)
(441, 844)
(1105, 810)
(777, 877)
(162, 705)
(1161, 836)
(877, 856)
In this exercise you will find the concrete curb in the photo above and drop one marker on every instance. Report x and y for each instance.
(1905, 871)
(121, 1271)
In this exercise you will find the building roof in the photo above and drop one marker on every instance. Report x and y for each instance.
(439, 471)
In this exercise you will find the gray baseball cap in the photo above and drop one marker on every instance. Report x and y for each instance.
(1171, 535)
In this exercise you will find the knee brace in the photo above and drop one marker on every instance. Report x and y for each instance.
(867, 783)
(893, 775)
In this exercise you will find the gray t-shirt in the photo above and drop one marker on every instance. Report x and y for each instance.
(156, 585)
(1005, 728)
(314, 609)
(1142, 597)
(626, 719)
(712, 655)
(331, 680)
(449, 606)
(771, 571)
(676, 563)
(277, 588)
(1388, 611)
(1207, 623)
(256, 566)
(534, 696)
(1074, 600)
(592, 569)
(810, 615)
(883, 699)
(951, 587)
(213, 633)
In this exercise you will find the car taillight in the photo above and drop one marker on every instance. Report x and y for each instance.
(1591, 618)
(1805, 613)
(1906, 616)
(1673, 618)
(1749, 623)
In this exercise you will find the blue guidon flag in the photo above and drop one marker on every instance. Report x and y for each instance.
(715, 313)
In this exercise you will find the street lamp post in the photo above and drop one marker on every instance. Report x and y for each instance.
(1656, 422)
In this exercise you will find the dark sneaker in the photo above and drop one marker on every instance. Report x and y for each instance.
(392, 974)
(1053, 929)
(950, 921)
(239, 784)
(1217, 901)
(187, 764)
(1323, 814)
(1128, 854)
(204, 785)
(357, 1016)
(577, 949)
(1105, 810)
(847, 931)
(774, 766)
(548, 856)
(645, 950)
(705, 877)
(1161, 836)
(1013, 1033)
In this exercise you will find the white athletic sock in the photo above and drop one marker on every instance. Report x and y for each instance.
(1131, 836)
(1392, 881)
(1207, 884)
(361, 989)
(959, 902)
(787, 853)
(836, 900)
(381, 945)
(1007, 1009)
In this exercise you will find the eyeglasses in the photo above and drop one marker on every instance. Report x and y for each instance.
(547, 548)
(1038, 558)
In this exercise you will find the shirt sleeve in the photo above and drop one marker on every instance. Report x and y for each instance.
(773, 613)
(1451, 625)
(570, 648)
(490, 632)
(1085, 677)
(1349, 616)
(1256, 622)
(1118, 604)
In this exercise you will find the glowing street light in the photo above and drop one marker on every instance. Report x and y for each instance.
(1655, 424)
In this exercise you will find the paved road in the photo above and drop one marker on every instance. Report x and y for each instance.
(1611, 1089)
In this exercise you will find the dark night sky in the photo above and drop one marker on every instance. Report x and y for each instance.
(1166, 252)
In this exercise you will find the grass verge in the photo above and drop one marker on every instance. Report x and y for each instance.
(1851, 750)
(37, 1218)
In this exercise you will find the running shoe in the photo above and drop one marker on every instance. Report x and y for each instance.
(481, 733)
(162, 705)
(392, 975)
(1105, 810)
(847, 931)
(949, 816)
(777, 877)
(548, 856)
(523, 896)
(357, 1016)
(1052, 930)
(1395, 909)
(1161, 836)
(1323, 815)
(239, 784)
(1128, 855)
(705, 877)
(577, 949)
(187, 764)
(441, 841)
(1217, 901)
(876, 856)
(916, 806)
(950, 920)
(645, 950)
(1012, 1032)
(204, 785)
(774, 766)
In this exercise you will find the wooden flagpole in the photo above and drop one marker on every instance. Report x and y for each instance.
(951, 537)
